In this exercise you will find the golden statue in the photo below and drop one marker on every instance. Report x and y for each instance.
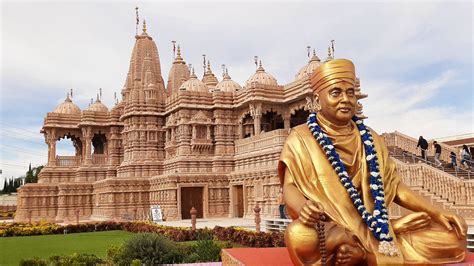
(333, 169)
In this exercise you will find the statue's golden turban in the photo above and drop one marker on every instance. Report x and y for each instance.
(332, 72)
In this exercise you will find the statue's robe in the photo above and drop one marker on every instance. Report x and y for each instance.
(317, 180)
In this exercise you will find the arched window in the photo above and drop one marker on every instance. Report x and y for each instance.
(271, 121)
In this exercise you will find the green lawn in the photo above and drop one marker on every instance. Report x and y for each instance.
(13, 249)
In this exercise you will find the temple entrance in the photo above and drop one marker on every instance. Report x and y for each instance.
(191, 197)
(238, 199)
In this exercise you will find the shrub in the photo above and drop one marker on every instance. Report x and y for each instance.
(33, 262)
(208, 250)
(75, 259)
(150, 249)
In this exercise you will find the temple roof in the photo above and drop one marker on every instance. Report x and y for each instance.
(98, 106)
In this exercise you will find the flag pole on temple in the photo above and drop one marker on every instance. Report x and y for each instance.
(255, 58)
(204, 62)
(138, 21)
(309, 50)
(174, 48)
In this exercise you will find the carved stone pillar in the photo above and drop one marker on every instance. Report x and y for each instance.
(256, 124)
(241, 128)
(208, 131)
(50, 139)
(87, 135)
(286, 120)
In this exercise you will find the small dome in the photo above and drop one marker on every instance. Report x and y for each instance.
(194, 84)
(312, 65)
(227, 84)
(261, 77)
(98, 106)
(67, 107)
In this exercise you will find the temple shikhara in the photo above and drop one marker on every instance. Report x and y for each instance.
(190, 141)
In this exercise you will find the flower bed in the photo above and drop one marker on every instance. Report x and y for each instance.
(179, 234)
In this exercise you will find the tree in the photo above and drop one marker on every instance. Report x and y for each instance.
(32, 174)
(4, 186)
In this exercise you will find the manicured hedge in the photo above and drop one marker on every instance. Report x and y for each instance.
(237, 235)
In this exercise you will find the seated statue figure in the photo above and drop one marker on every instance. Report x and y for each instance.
(336, 170)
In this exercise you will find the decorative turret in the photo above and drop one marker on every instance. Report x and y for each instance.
(178, 74)
(261, 77)
(209, 78)
(144, 84)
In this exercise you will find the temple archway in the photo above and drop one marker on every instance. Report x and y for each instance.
(271, 120)
(247, 126)
(299, 117)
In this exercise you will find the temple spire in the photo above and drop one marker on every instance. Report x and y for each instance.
(144, 26)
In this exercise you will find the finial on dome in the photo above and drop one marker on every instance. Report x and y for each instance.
(67, 98)
(309, 50)
(179, 52)
(223, 69)
(71, 93)
(97, 99)
(314, 52)
(192, 72)
(260, 63)
(100, 93)
(144, 26)
(332, 47)
(208, 66)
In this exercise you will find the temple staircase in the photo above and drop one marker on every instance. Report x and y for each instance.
(446, 187)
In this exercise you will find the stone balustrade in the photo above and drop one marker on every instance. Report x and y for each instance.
(99, 159)
(68, 161)
(442, 184)
(407, 143)
(272, 139)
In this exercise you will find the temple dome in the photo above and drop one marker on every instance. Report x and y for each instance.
(312, 65)
(98, 106)
(261, 77)
(67, 107)
(194, 84)
(227, 84)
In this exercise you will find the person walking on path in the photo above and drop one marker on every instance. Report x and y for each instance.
(423, 144)
(281, 205)
(454, 163)
(437, 153)
(465, 156)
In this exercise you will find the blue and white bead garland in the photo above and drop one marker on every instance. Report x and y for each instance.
(377, 222)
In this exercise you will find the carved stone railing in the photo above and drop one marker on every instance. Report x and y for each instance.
(99, 159)
(460, 192)
(407, 143)
(68, 161)
(272, 139)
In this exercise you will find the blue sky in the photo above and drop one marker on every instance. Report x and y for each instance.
(415, 60)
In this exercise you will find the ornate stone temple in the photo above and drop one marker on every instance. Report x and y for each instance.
(203, 143)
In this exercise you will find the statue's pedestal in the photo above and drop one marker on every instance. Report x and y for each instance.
(276, 257)
(256, 256)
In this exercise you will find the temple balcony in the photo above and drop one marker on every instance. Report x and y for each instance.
(68, 161)
(200, 144)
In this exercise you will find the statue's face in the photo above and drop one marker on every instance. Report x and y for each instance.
(338, 103)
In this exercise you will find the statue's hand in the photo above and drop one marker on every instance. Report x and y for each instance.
(411, 222)
(311, 212)
(449, 220)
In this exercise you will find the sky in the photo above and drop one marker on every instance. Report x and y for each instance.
(414, 59)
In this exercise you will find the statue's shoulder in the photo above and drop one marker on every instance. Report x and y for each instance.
(301, 130)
